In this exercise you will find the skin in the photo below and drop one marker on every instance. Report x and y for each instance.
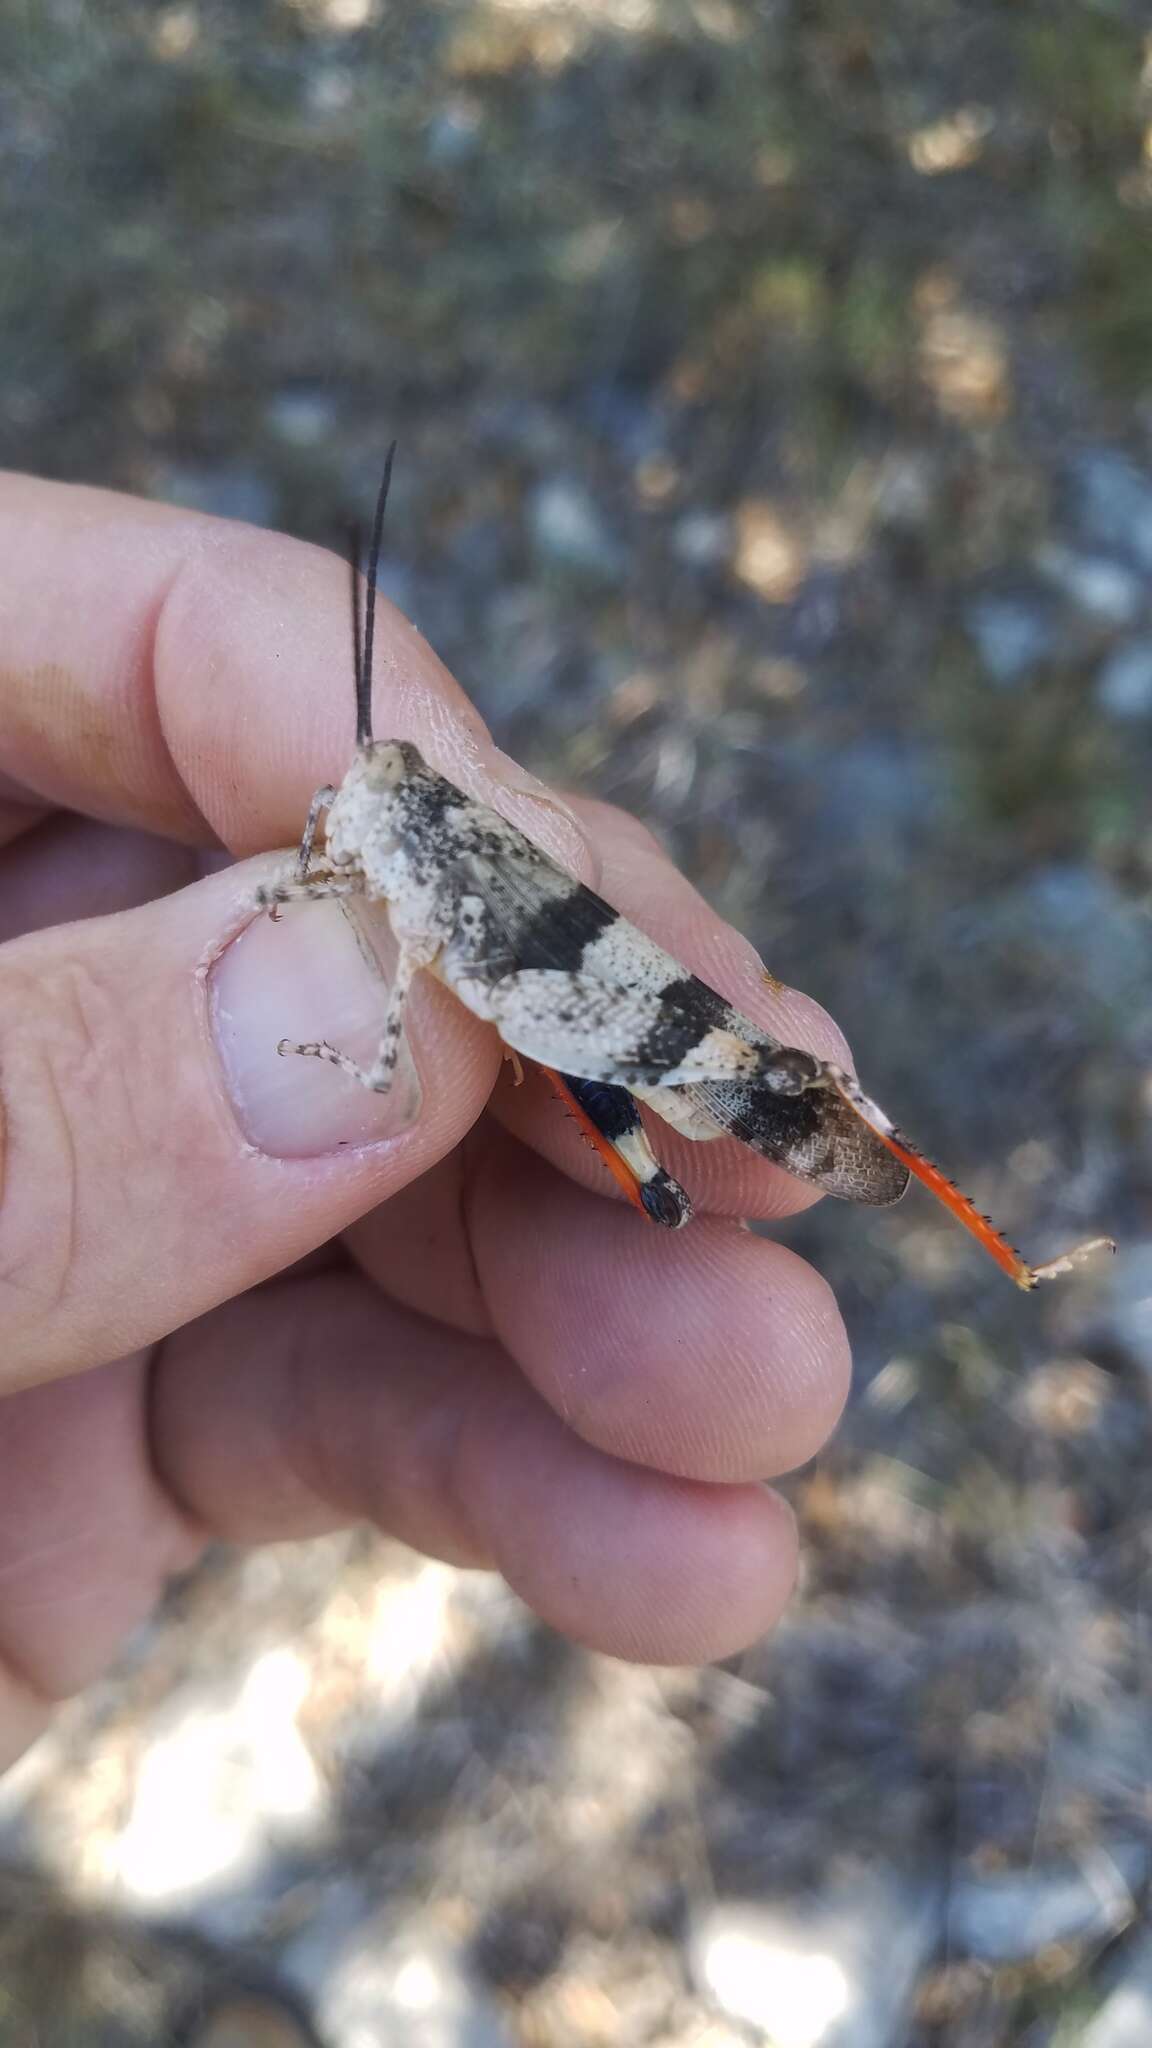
(231, 1306)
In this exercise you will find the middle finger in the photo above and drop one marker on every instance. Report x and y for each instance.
(709, 1353)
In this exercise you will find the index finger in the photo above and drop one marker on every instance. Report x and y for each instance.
(187, 674)
(193, 676)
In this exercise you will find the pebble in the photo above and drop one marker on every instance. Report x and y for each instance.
(1012, 635)
(1112, 504)
(1104, 588)
(1013, 1916)
(567, 528)
(702, 539)
(304, 417)
(1124, 684)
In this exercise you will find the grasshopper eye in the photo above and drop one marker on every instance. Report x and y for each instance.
(384, 764)
(788, 1071)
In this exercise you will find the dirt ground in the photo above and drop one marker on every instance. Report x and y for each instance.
(774, 384)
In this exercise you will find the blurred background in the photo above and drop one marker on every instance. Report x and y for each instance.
(774, 385)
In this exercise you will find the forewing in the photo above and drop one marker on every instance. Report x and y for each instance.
(577, 987)
(547, 919)
(591, 995)
(817, 1136)
(602, 1031)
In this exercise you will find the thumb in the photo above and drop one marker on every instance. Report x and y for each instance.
(156, 1154)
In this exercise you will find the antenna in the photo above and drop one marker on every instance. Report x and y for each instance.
(364, 642)
(355, 552)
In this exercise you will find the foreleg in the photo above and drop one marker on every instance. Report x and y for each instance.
(324, 796)
(311, 889)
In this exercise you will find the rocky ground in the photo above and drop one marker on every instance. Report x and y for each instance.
(775, 391)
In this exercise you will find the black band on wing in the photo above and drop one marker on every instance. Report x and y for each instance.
(556, 934)
(689, 1009)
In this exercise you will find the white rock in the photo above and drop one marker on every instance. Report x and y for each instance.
(1113, 503)
(567, 527)
(1097, 584)
(702, 538)
(304, 417)
(1012, 635)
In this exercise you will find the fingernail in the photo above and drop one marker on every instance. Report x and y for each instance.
(306, 977)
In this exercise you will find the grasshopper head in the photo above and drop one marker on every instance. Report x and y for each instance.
(366, 805)
(384, 764)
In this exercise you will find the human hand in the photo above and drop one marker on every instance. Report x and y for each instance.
(241, 1298)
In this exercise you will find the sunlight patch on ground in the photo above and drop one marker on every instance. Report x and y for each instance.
(404, 1644)
(336, 17)
(216, 1786)
(962, 355)
(175, 31)
(795, 1997)
(768, 558)
(950, 144)
(633, 16)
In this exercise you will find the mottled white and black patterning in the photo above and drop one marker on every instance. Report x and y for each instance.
(570, 983)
